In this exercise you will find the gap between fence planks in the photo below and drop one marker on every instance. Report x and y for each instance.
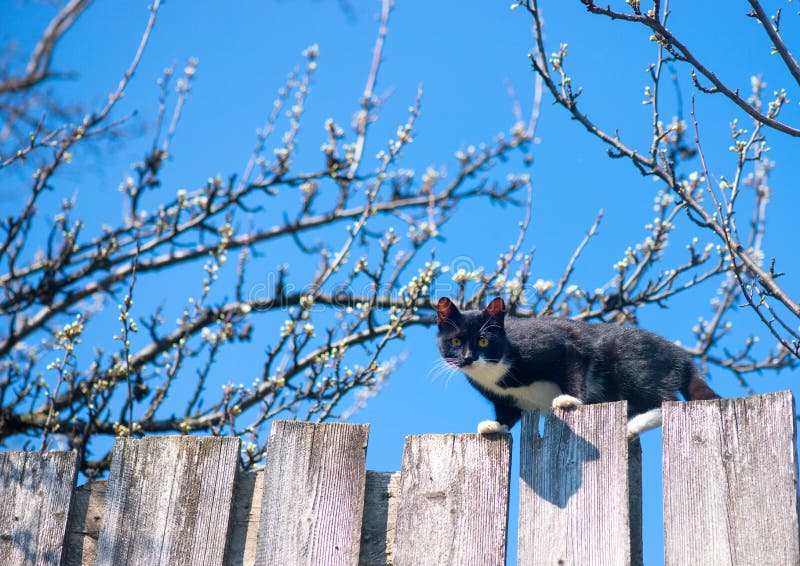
(580, 493)
(377, 528)
(379, 522)
(35, 494)
(730, 481)
(85, 520)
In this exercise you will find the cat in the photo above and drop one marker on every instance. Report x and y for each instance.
(521, 364)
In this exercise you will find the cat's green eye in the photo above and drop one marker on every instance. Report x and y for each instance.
(483, 342)
(456, 341)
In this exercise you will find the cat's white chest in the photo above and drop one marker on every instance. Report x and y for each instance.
(538, 395)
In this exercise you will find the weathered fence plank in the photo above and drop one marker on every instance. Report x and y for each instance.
(83, 528)
(730, 496)
(635, 501)
(168, 501)
(35, 495)
(730, 481)
(245, 518)
(380, 519)
(313, 494)
(453, 500)
(574, 488)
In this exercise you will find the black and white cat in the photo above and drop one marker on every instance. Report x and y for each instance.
(521, 364)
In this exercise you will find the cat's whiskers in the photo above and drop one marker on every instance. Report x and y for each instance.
(573, 363)
(451, 323)
(489, 323)
(443, 367)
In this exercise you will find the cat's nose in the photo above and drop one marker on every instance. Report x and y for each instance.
(468, 358)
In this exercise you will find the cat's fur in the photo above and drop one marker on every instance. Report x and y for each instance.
(521, 364)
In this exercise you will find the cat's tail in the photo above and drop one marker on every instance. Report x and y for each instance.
(697, 389)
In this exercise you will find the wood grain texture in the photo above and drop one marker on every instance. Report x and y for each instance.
(313, 494)
(635, 501)
(245, 517)
(378, 526)
(85, 519)
(35, 495)
(574, 489)
(168, 501)
(453, 501)
(730, 481)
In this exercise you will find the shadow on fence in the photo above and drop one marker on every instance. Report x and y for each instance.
(730, 495)
(559, 447)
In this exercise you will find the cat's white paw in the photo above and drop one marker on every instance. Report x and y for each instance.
(644, 422)
(491, 427)
(566, 402)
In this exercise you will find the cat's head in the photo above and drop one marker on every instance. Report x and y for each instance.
(471, 337)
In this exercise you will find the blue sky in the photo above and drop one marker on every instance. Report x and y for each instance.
(464, 55)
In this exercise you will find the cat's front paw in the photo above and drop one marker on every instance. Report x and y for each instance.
(566, 402)
(491, 427)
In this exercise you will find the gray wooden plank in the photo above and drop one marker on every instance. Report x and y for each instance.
(35, 495)
(635, 501)
(168, 501)
(83, 527)
(245, 517)
(730, 481)
(313, 494)
(378, 525)
(574, 488)
(453, 501)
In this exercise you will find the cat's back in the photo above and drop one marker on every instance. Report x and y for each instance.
(516, 325)
(633, 341)
(599, 339)
(547, 331)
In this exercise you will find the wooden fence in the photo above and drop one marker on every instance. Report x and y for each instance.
(730, 496)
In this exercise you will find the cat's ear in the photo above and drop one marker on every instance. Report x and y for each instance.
(446, 310)
(496, 309)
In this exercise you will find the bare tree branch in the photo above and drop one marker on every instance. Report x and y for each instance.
(38, 68)
(744, 258)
